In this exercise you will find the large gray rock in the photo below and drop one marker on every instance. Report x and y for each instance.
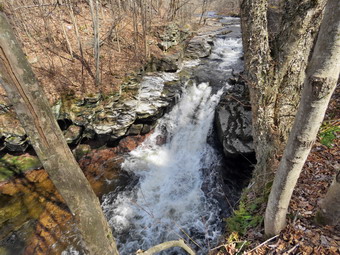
(171, 35)
(234, 127)
(73, 134)
(165, 63)
(198, 47)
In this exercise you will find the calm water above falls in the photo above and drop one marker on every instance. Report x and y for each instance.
(169, 201)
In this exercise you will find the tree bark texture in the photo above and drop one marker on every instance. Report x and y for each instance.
(258, 73)
(47, 139)
(275, 63)
(321, 78)
(291, 49)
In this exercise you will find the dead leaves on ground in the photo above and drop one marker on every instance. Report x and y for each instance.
(302, 235)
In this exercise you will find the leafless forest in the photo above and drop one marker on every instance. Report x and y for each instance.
(85, 47)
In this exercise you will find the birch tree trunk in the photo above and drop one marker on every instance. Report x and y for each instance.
(321, 78)
(47, 139)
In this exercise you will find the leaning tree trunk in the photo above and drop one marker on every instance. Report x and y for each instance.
(321, 78)
(47, 139)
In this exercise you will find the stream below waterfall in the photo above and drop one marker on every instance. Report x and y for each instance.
(177, 192)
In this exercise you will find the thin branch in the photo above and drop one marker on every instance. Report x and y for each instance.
(265, 242)
(166, 245)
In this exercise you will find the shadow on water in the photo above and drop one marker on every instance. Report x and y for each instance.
(34, 219)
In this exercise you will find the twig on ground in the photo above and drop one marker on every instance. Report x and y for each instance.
(292, 249)
(265, 242)
(244, 242)
(167, 245)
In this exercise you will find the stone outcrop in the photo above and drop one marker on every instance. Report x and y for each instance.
(199, 47)
(165, 63)
(131, 111)
(233, 121)
(107, 119)
(171, 35)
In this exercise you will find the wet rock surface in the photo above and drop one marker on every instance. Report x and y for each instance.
(233, 122)
(107, 119)
(199, 47)
(222, 69)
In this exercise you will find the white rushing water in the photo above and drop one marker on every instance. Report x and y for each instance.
(230, 50)
(175, 168)
(168, 203)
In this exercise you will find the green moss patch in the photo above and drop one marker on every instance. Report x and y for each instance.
(250, 212)
(243, 219)
(328, 133)
(15, 165)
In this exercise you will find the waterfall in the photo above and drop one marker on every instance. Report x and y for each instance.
(168, 202)
(176, 169)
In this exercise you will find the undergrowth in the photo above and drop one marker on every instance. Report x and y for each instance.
(328, 133)
(249, 215)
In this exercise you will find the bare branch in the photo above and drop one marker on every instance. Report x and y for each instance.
(166, 245)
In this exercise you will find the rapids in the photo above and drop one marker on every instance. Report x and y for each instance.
(176, 169)
(168, 202)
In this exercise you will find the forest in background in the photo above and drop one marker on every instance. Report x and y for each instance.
(86, 47)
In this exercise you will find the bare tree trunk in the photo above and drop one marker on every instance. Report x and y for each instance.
(321, 78)
(96, 46)
(329, 213)
(204, 9)
(69, 46)
(80, 45)
(47, 139)
(259, 76)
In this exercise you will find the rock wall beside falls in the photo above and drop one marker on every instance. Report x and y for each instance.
(233, 121)
(103, 119)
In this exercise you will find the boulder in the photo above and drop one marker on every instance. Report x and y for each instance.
(81, 150)
(198, 47)
(73, 134)
(165, 63)
(171, 35)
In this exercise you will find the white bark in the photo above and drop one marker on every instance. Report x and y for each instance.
(321, 78)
